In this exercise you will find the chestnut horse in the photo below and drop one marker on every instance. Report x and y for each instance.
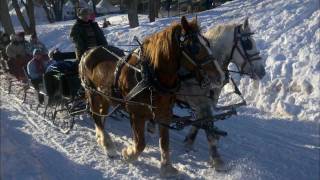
(180, 46)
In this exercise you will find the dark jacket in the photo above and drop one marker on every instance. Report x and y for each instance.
(80, 38)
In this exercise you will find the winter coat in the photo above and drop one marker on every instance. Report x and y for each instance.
(80, 35)
(33, 70)
(16, 50)
(4, 41)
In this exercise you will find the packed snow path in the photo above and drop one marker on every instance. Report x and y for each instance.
(275, 137)
(257, 148)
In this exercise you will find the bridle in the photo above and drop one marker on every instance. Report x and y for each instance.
(242, 39)
(189, 53)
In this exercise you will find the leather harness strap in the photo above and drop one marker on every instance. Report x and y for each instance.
(249, 58)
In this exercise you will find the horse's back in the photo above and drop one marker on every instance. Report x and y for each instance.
(100, 54)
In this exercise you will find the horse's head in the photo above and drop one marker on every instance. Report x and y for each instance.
(196, 53)
(245, 54)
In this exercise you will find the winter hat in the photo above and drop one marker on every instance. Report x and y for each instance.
(13, 37)
(50, 54)
(36, 51)
(83, 12)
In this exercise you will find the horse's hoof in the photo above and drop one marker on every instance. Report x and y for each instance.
(151, 128)
(128, 156)
(168, 171)
(188, 146)
(110, 152)
(219, 165)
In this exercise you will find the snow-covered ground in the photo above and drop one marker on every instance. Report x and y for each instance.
(275, 137)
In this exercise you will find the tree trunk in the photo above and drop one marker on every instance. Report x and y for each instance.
(5, 17)
(49, 15)
(61, 9)
(94, 7)
(20, 16)
(152, 16)
(133, 13)
(45, 6)
(157, 8)
(57, 9)
(30, 11)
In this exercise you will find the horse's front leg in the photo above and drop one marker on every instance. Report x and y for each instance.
(132, 152)
(166, 168)
(191, 136)
(98, 110)
(103, 138)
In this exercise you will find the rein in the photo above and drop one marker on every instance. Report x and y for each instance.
(122, 60)
(205, 82)
(117, 99)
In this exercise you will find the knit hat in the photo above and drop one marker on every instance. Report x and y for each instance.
(82, 12)
(36, 51)
(13, 37)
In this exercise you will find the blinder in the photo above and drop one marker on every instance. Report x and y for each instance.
(189, 52)
(246, 44)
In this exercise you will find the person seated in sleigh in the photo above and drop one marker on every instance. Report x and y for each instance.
(35, 69)
(17, 56)
(57, 74)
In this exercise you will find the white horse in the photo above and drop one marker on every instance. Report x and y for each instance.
(229, 43)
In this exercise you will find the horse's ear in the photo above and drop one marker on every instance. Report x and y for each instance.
(246, 23)
(185, 23)
(194, 20)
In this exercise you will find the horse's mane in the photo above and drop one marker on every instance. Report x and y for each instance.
(217, 32)
(99, 54)
(218, 36)
(161, 46)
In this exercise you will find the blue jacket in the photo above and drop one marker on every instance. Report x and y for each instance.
(32, 69)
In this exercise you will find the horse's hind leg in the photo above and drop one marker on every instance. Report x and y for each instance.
(215, 159)
(99, 108)
(132, 152)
